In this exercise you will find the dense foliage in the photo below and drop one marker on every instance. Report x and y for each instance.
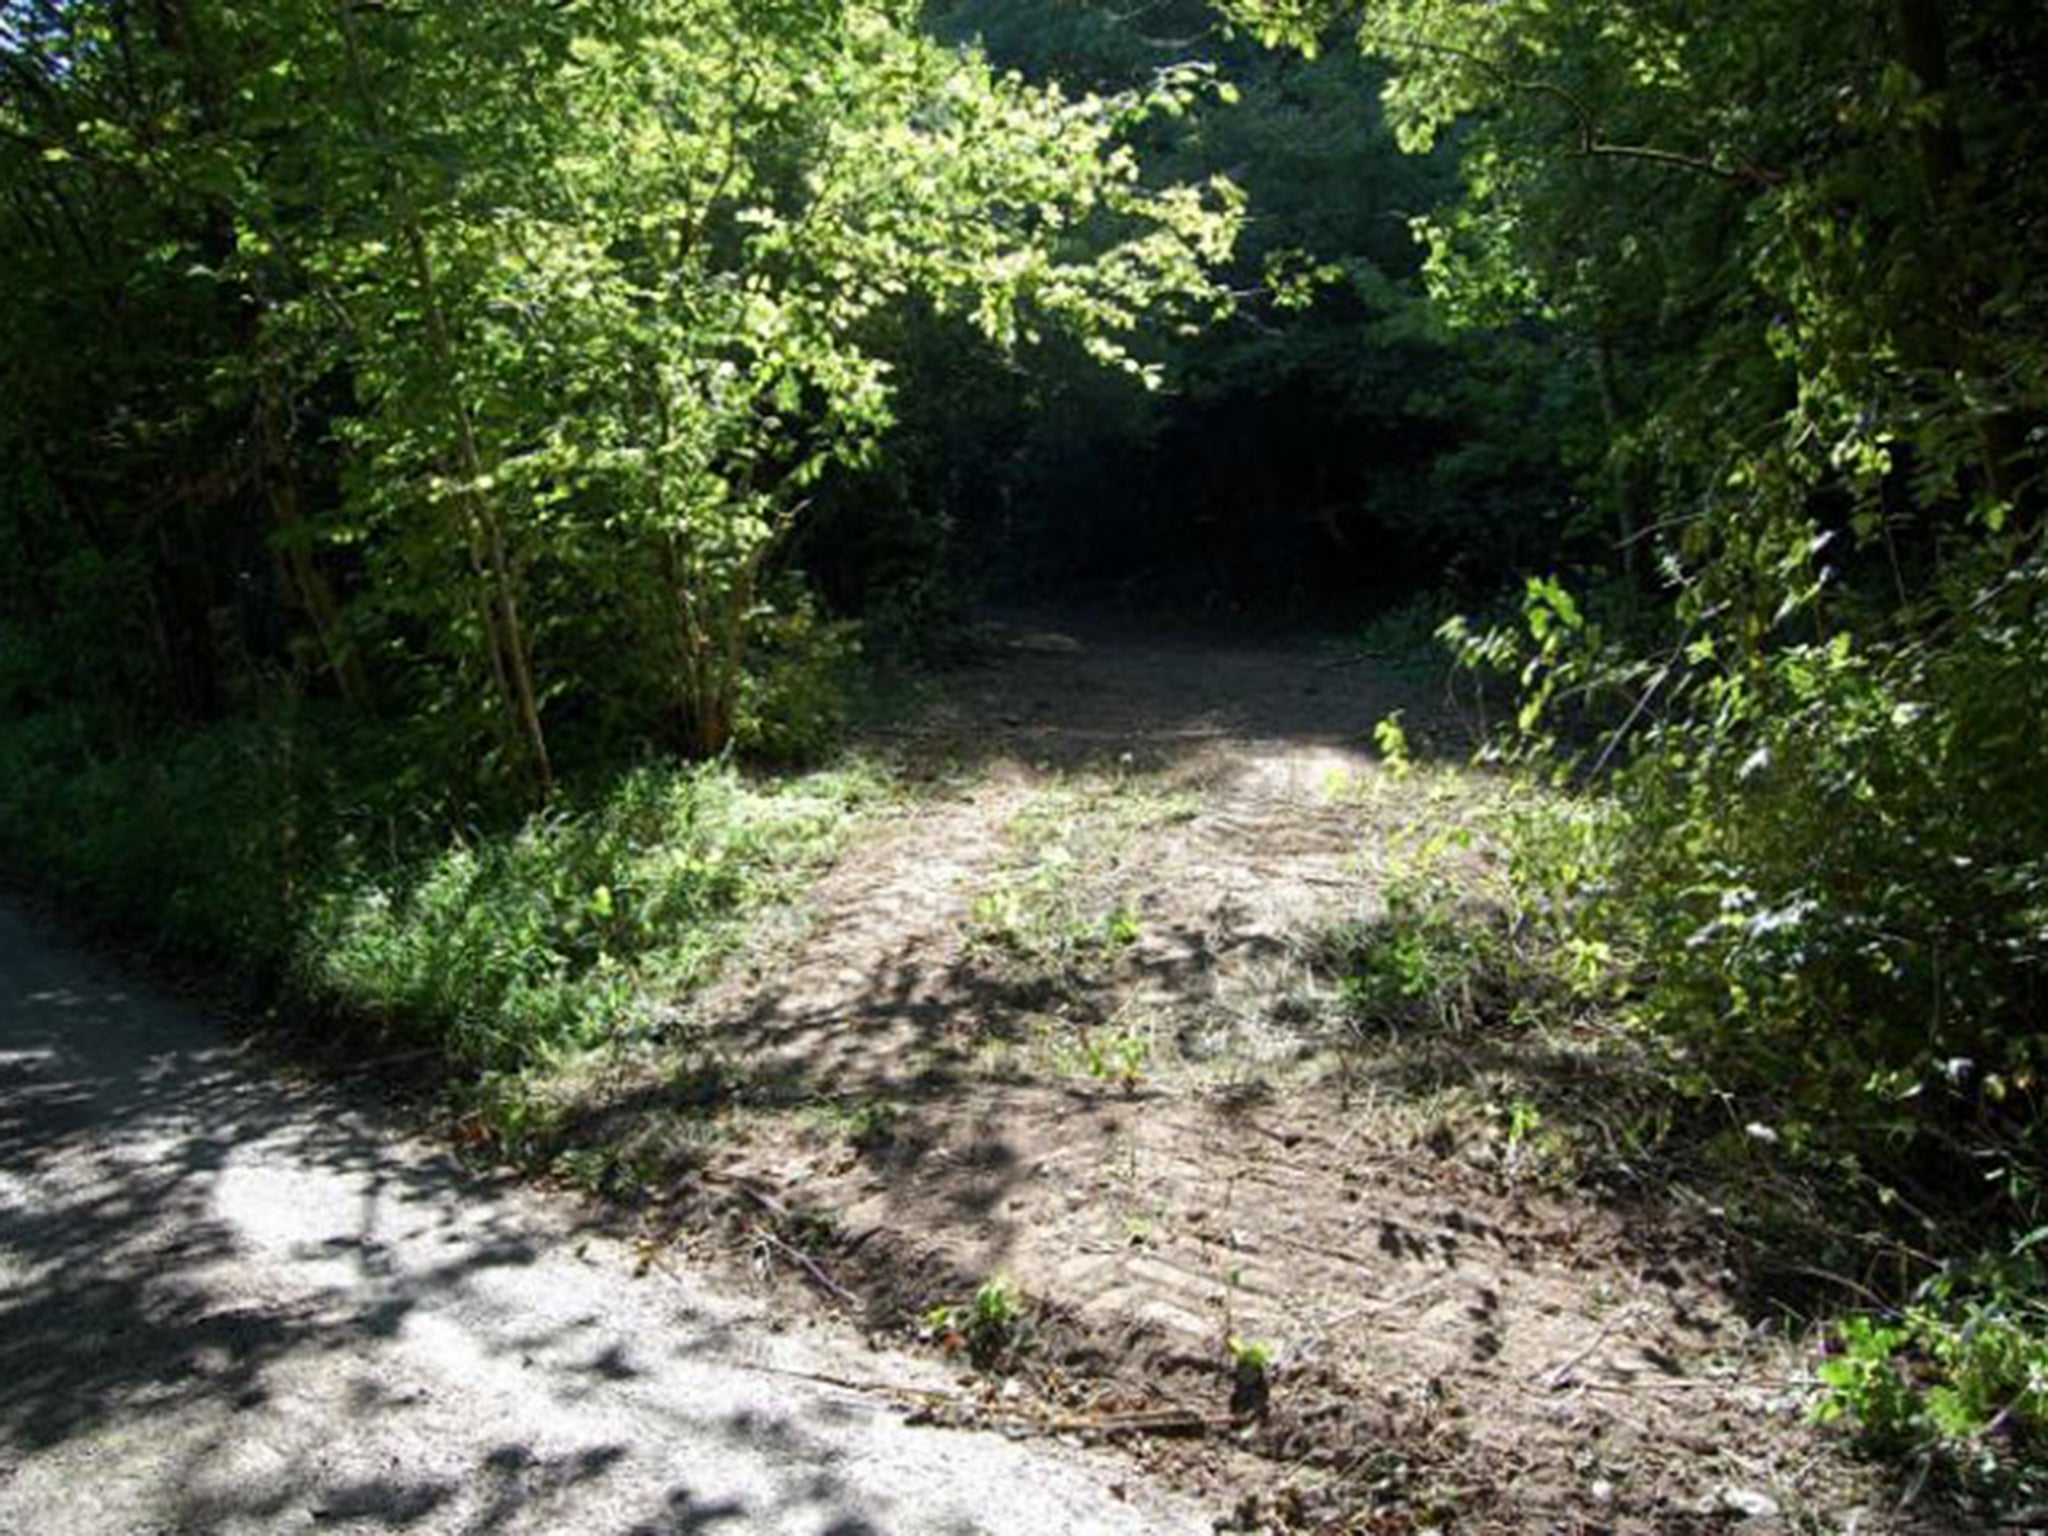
(484, 356)
(1330, 442)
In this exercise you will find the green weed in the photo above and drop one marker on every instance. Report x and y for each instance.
(572, 928)
(1428, 961)
(1957, 1381)
(1251, 1375)
(1112, 1055)
(989, 1328)
(866, 1125)
(1253, 1357)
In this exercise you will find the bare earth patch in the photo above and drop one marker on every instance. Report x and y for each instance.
(1043, 1022)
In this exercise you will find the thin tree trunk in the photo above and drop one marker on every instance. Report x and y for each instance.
(511, 658)
(1621, 479)
(508, 634)
(294, 542)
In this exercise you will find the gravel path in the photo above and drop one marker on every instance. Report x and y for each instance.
(235, 1301)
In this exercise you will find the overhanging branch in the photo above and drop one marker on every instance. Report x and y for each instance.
(1590, 143)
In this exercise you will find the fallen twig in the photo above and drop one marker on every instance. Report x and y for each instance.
(813, 1270)
(1386, 1303)
(849, 1384)
(1143, 1421)
(952, 1408)
(1558, 1375)
(760, 1197)
(1149, 1421)
(780, 1213)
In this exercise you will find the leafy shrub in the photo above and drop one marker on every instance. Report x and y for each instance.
(1958, 1379)
(200, 840)
(792, 706)
(1823, 867)
(1817, 868)
(1461, 939)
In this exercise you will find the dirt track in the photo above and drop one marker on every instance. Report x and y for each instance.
(1465, 1337)
(233, 1301)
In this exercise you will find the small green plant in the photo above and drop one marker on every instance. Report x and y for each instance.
(1863, 1383)
(1120, 929)
(1524, 1120)
(1392, 741)
(1531, 1146)
(1424, 963)
(1056, 904)
(1958, 1379)
(865, 1124)
(989, 1328)
(815, 1226)
(1117, 1056)
(1252, 1357)
(590, 1169)
(872, 1123)
(1251, 1375)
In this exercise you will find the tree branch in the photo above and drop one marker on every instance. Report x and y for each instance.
(1590, 143)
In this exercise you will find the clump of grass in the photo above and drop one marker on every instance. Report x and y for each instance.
(574, 927)
(1429, 961)
(1476, 1023)
(868, 1125)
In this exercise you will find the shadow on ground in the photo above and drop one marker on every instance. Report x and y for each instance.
(231, 1299)
(1518, 1323)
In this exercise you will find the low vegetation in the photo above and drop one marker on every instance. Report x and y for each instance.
(1062, 905)
(1617, 928)
(508, 943)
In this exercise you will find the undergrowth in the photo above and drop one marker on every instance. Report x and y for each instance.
(569, 928)
(1955, 1381)
(1459, 1002)
(1474, 984)
(358, 892)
